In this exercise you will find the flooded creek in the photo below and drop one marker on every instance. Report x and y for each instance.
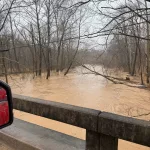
(88, 91)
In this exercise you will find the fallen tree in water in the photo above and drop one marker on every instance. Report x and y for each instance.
(115, 80)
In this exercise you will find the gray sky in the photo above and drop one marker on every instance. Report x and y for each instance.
(93, 22)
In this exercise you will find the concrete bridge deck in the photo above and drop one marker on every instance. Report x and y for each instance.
(22, 135)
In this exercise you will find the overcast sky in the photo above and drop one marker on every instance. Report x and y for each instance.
(93, 22)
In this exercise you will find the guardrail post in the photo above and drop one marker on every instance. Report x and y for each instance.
(98, 141)
(92, 140)
(108, 142)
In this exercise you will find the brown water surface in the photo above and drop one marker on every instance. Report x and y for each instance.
(82, 90)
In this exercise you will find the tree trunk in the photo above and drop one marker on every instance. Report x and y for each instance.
(5, 67)
(39, 38)
(13, 44)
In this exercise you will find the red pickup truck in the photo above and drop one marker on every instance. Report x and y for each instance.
(4, 109)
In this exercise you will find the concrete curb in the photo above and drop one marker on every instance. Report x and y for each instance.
(22, 135)
(14, 143)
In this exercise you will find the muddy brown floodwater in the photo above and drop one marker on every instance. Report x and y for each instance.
(88, 91)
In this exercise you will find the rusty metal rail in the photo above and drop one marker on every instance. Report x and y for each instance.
(102, 129)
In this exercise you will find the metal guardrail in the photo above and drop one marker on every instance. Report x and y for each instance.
(102, 129)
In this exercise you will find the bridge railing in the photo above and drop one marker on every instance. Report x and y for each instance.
(102, 129)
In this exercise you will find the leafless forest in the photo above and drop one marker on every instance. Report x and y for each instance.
(39, 36)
